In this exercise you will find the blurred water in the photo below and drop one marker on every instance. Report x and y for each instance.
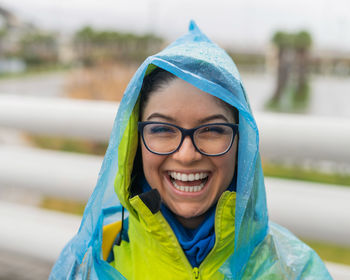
(330, 95)
(45, 85)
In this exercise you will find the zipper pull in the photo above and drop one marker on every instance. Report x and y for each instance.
(195, 272)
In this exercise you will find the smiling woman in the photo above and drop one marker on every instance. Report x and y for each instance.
(174, 175)
(184, 162)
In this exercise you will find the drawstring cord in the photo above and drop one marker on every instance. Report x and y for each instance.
(119, 238)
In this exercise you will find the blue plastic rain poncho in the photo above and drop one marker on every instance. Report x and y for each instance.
(262, 250)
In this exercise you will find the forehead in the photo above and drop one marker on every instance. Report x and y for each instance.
(180, 99)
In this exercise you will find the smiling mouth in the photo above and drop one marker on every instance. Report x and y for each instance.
(192, 182)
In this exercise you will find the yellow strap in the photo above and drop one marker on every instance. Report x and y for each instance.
(109, 234)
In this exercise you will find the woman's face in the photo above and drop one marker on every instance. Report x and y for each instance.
(183, 104)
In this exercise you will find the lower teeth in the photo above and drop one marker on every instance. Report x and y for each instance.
(188, 189)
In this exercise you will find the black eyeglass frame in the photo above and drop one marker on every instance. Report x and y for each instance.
(188, 132)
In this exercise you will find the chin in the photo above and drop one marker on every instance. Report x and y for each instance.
(189, 212)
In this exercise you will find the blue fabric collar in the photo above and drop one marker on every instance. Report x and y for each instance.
(196, 243)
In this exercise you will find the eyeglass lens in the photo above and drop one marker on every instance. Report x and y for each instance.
(211, 139)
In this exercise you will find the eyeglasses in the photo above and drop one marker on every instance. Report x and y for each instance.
(212, 139)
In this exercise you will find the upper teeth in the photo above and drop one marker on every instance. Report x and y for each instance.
(188, 177)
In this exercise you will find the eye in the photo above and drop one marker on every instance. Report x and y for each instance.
(214, 131)
(160, 129)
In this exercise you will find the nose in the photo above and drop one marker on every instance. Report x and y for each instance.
(187, 153)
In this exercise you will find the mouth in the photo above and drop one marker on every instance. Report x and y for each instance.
(188, 182)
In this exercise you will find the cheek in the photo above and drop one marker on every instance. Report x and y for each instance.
(146, 160)
(227, 165)
(151, 164)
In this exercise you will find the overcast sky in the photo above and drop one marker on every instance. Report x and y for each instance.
(243, 23)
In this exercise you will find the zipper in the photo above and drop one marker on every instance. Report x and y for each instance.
(195, 272)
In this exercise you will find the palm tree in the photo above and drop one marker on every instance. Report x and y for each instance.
(282, 41)
(302, 44)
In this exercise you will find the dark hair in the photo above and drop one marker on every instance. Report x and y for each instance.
(154, 81)
(159, 78)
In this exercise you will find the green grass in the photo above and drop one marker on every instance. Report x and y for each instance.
(331, 252)
(63, 205)
(298, 173)
(34, 71)
(68, 145)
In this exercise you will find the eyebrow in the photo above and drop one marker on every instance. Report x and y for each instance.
(158, 115)
(214, 117)
(202, 121)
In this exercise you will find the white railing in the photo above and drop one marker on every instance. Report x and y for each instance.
(310, 210)
(46, 232)
(53, 173)
(296, 137)
(58, 116)
(35, 232)
(291, 203)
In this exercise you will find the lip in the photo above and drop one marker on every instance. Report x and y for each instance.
(189, 171)
(188, 194)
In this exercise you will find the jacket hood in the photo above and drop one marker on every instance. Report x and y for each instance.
(197, 60)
